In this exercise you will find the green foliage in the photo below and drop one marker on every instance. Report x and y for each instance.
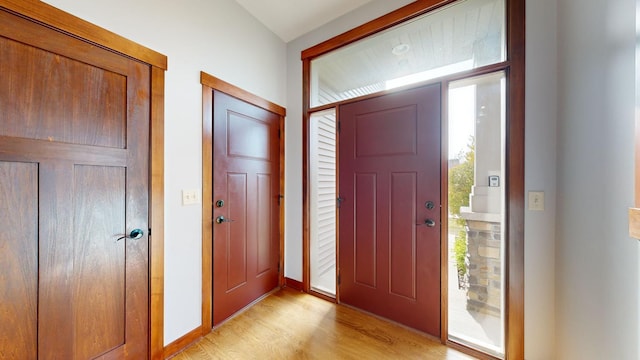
(460, 252)
(460, 183)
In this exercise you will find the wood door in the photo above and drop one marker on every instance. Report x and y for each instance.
(74, 125)
(246, 163)
(389, 169)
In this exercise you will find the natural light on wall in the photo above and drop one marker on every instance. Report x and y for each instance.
(429, 74)
(464, 35)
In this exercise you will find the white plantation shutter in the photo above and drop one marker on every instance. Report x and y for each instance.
(323, 201)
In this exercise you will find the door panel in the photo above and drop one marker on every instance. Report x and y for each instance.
(237, 231)
(99, 195)
(246, 164)
(394, 131)
(365, 230)
(55, 308)
(264, 223)
(389, 165)
(19, 259)
(402, 257)
(92, 112)
(79, 116)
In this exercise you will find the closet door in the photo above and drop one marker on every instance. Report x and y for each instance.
(74, 184)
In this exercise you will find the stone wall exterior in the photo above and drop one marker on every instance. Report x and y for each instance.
(484, 264)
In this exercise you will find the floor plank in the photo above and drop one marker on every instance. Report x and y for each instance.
(293, 325)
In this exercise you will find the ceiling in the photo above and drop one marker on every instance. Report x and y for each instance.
(455, 38)
(290, 19)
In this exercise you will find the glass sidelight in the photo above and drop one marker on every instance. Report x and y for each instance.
(476, 239)
(322, 188)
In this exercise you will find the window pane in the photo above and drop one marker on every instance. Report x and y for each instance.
(462, 36)
(476, 212)
(322, 186)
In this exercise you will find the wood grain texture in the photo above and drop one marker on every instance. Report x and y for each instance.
(294, 325)
(99, 219)
(156, 215)
(18, 260)
(444, 214)
(37, 150)
(183, 342)
(634, 223)
(207, 209)
(41, 37)
(97, 98)
(227, 88)
(306, 175)
(87, 127)
(69, 101)
(55, 293)
(67, 23)
(293, 284)
(514, 327)
(137, 211)
(281, 201)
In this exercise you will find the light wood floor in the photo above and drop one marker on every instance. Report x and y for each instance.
(293, 325)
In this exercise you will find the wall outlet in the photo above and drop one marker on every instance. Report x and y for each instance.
(536, 200)
(190, 197)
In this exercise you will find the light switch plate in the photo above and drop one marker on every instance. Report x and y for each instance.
(190, 197)
(536, 200)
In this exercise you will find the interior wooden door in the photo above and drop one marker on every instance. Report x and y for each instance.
(246, 183)
(389, 185)
(74, 151)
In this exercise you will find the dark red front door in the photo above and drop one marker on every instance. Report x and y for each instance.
(246, 163)
(389, 175)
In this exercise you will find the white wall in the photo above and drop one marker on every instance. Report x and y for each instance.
(222, 39)
(597, 264)
(540, 175)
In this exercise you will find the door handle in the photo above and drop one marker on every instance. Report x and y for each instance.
(428, 223)
(135, 234)
(221, 219)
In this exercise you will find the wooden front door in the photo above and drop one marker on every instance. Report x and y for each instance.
(74, 143)
(246, 183)
(389, 185)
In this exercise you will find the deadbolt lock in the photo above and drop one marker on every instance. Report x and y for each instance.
(220, 203)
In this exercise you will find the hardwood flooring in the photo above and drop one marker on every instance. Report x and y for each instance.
(293, 325)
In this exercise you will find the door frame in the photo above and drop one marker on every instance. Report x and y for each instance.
(210, 83)
(514, 67)
(73, 26)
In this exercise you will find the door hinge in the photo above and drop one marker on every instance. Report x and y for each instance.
(149, 232)
(338, 279)
(279, 133)
(339, 201)
(338, 126)
(280, 197)
(278, 268)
